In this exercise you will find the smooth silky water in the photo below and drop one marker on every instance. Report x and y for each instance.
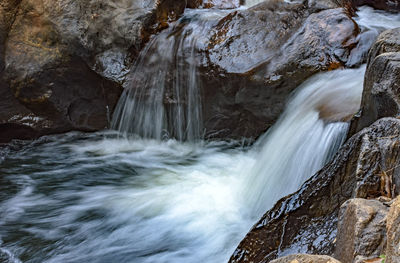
(104, 198)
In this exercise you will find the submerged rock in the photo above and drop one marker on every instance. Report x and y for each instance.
(361, 230)
(381, 94)
(62, 62)
(306, 221)
(303, 258)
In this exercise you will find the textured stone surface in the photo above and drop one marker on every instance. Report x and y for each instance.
(381, 94)
(257, 57)
(62, 62)
(303, 258)
(361, 230)
(306, 221)
(393, 233)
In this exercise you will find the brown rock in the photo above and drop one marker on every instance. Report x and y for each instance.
(303, 258)
(306, 221)
(65, 61)
(393, 233)
(361, 230)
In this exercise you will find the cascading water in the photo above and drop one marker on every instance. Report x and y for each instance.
(163, 97)
(103, 198)
(304, 138)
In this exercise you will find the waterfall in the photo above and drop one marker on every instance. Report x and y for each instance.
(162, 98)
(305, 137)
(97, 197)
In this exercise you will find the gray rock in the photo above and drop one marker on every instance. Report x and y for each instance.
(381, 94)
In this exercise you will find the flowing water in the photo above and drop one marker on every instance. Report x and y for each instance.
(162, 97)
(105, 198)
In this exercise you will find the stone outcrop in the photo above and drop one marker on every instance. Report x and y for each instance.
(257, 57)
(393, 233)
(381, 95)
(306, 221)
(303, 258)
(62, 63)
(361, 230)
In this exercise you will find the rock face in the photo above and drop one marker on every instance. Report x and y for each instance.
(260, 55)
(303, 258)
(306, 221)
(62, 62)
(361, 230)
(381, 95)
(393, 233)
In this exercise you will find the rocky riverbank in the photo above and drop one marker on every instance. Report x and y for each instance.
(323, 217)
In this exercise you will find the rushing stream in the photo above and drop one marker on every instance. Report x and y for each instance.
(104, 198)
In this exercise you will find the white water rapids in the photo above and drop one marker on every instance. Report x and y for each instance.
(101, 198)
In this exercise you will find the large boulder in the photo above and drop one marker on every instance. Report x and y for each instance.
(258, 56)
(381, 94)
(393, 233)
(303, 258)
(62, 63)
(361, 230)
(306, 221)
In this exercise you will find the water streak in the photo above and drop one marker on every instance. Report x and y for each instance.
(163, 95)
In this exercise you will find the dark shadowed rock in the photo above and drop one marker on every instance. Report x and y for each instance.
(381, 94)
(306, 221)
(303, 258)
(361, 230)
(257, 57)
(387, 5)
(393, 233)
(62, 63)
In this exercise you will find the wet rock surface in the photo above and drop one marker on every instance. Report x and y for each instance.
(381, 97)
(361, 230)
(62, 63)
(393, 233)
(257, 57)
(387, 5)
(306, 221)
(303, 258)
